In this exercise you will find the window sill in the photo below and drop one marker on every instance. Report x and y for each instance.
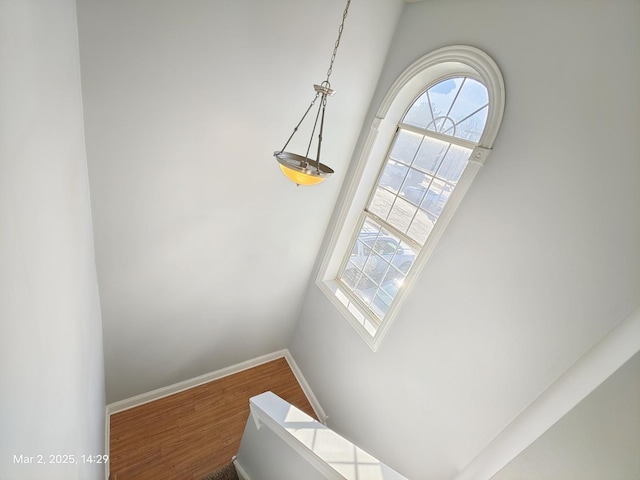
(370, 329)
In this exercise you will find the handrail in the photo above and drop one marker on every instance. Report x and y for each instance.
(332, 455)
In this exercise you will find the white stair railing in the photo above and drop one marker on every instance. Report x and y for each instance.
(281, 442)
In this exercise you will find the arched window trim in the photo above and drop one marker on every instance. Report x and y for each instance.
(447, 62)
(472, 62)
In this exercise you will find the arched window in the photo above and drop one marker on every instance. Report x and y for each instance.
(432, 132)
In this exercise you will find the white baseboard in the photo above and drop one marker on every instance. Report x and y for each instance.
(107, 436)
(241, 471)
(159, 393)
(313, 400)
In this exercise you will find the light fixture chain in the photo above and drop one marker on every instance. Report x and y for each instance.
(335, 48)
(296, 167)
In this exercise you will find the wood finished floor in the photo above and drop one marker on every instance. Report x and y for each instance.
(190, 434)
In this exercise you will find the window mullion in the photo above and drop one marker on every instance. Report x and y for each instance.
(439, 136)
(456, 97)
(469, 116)
(400, 234)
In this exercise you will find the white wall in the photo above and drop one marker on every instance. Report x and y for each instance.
(203, 247)
(541, 260)
(51, 364)
(598, 439)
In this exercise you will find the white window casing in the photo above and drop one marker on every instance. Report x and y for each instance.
(438, 65)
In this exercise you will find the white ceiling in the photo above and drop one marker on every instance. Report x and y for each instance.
(203, 248)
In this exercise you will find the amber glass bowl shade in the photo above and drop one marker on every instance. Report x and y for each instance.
(302, 170)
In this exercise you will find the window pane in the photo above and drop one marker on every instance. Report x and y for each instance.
(415, 186)
(393, 175)
(442, 95)
(385, 245)
(421, 226)
(454, 163)
(351, 275)
(376, 268)
(405, 147)
(442, 125)
(430, 155)
(395, 276)
(472, 128)
(459, 108)
(389, 287)
(435, 199)
(365, 289)
(381, 203)
(370, 227)
(359, 254)
(405, 256)
(376, 274)
(472, 97)
(401, 214)
(419, 115)
(381, 302)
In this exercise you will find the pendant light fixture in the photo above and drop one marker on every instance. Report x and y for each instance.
(302, 170)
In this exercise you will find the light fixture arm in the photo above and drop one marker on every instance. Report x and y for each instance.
(324, 106)
(313, 131)
(300, 122)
